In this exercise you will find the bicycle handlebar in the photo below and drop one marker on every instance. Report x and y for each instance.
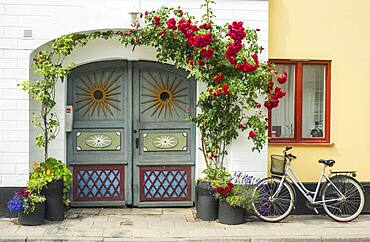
(289, 156)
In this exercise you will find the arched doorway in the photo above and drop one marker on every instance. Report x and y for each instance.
(131, 143)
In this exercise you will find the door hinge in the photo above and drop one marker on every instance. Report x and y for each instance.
(137, 143)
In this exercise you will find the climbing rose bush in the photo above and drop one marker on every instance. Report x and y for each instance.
(225, 58)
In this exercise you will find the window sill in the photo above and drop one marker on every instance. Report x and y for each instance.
(299, 144)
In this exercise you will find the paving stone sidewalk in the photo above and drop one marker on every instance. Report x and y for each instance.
(180, 224)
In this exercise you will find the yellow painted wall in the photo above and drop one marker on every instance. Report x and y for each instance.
(337, 30)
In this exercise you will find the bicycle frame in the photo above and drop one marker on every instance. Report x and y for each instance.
(311, 196)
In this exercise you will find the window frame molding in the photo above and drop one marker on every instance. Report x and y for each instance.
(298, 100)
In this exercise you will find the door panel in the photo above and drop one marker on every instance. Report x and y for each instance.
(131, 142)
(163, 160)
(99, 151)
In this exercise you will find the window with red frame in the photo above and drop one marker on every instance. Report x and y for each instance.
(303, 115)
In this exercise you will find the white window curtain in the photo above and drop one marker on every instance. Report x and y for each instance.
(283, 116)
(313, 101)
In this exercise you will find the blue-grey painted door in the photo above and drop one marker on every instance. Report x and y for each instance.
(99, 146)
(131, 142)
(164, 150)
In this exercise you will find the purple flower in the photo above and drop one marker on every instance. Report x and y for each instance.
(15, 204)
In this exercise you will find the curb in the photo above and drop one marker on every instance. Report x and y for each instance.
(228, 239)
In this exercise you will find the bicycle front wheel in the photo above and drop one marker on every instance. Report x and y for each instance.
(274, 199)
(347, 207)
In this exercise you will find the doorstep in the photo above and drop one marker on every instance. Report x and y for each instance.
(180, 224)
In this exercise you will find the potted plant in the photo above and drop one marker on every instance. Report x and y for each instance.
(235, 198)
(56, 177)
(30, 207)
(206, 203)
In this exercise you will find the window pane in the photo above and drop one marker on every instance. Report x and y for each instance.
(282, 123)
(313, 101)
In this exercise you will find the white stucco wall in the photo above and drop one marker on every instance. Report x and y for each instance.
(49, 19)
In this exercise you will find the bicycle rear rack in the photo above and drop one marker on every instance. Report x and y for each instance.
(348, 173)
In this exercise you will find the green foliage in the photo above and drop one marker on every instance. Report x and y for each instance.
(35, 185)
(52, 170)
(216, 176)
(29, 204)
(242, 196)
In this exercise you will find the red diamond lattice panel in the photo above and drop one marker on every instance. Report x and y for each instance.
(166, 183)
(98, 183)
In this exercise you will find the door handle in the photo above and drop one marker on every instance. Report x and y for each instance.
(137, 143)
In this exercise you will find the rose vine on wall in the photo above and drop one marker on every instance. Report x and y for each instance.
(225, 58)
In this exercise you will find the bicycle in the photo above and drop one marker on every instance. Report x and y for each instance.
(342, 196)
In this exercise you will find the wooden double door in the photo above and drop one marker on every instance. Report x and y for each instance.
(131, 142)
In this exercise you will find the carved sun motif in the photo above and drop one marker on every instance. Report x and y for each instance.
(165, 95)
(98, 94)
(99, 141)
(165, 142)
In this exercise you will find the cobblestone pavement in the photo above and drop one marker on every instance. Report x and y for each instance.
(179, 224)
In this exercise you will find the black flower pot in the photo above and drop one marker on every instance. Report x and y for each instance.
(35, 218)
(54, 201)
(230, 215)
(206, 205)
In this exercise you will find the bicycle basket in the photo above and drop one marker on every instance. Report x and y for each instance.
(277, 164)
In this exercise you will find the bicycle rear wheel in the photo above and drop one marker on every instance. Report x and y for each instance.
(345, 208)
(271, 206)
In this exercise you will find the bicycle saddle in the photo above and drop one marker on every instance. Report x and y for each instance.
(329, 163)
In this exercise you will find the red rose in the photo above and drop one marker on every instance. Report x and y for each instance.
(201, 62)
(146, 14)
(258, 105)
(207, 53)
(233, 48)
(247, 67)
(210, 92)
(231, 59)
(241, 126)
(171, 24)
(202, 40)
(283, 78)
(218, 93)
(251, 134)
(191, 61)
(157, 20)
(236, 31)
(205, 26)
(191, 41)
(219, 77)
(162, 32)
(225, 88)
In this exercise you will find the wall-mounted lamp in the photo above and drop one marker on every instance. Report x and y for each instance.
(134, 17)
